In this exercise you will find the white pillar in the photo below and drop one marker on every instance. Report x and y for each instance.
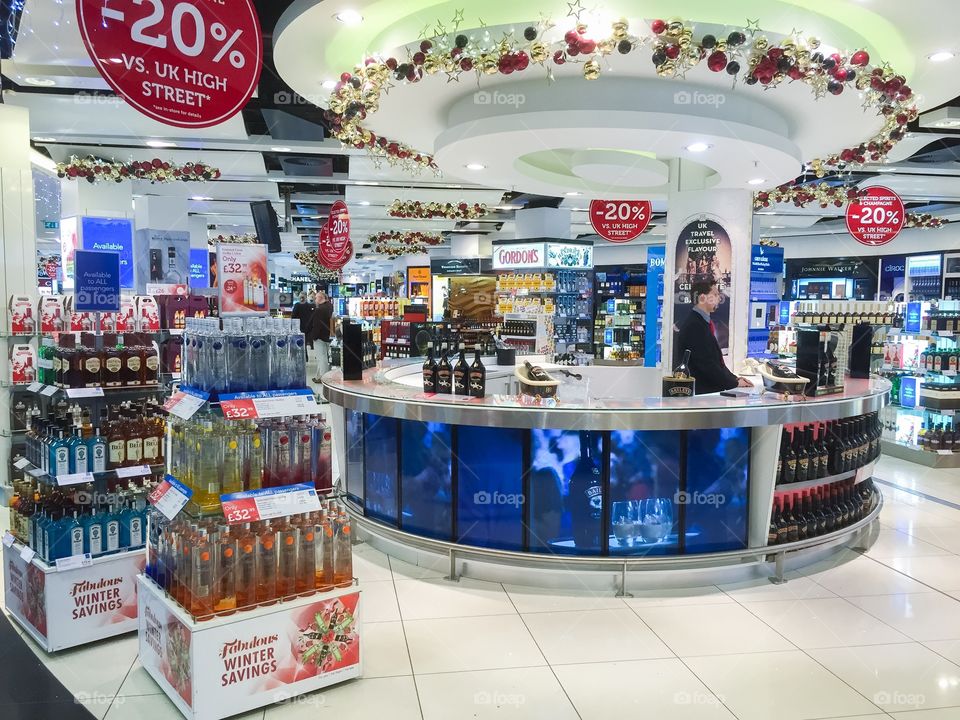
(690, 202)
(18, 245)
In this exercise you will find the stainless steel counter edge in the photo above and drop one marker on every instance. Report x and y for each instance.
(693, 414)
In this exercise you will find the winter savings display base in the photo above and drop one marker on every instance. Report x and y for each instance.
(251, 659)
(70, 606)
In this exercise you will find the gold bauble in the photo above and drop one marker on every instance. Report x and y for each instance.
(431, 65)
(803, 56)
(488, 64)
(778, 78)
(667, 69)
(753, 61)
(449, 64)
(761, 43)
(366, 136)
(581, 28)
(788, 47)
(721, 46)
(863, 82)
(538, 52)
(813, 42)
(620, 28)
(674, 29)
(591, 70)
(605, 46)
(369, 96)
(338, 105)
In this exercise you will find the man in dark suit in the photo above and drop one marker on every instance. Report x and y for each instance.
(698, 336)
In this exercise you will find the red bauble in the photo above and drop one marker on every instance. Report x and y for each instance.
(391, 63)
(717, 61)
(425, 45)
(505, 64)
(840, 74)
(345, 77)
(456, 52)
(157, 163)
(658, 26)
(559, 58)
(905, 92)
(775, 53)
(521, 60)
(902, 119)
(587, 46)
(418, 58)
(466, 64)
(795, 73)
(672, 51)
(463, 207)
(860, 58)
(573, 50)
(836, 58)
(571, 37)
(846, 155)
(876, 83)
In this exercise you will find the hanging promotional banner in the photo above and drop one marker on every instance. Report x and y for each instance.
(187, 64)
(876, 218)
(620, 221)
(656, 260)
(704, 254)
(244, 280)
(97, 280)
(336, 250)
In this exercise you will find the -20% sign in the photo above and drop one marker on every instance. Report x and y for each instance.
(620, 221)
(876, 217)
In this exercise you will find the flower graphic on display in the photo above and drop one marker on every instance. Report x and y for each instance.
(331, 639)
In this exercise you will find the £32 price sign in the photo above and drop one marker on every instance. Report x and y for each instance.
(620, 221)
(189, 64)
(877, 217)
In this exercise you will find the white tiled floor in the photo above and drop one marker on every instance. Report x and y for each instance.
(867, 636)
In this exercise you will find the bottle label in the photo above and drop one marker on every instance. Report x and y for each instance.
(99, 457)
(133, 363)
(113, 364)
(96, 539)
(118, 451)
(80, 458)
(151, 449)
(792, 465)
(113, 535)
(136, 532)
(153, 363)
(92, 364)
(62, 461)
(134, 450)
(428, 385)
(76, 541)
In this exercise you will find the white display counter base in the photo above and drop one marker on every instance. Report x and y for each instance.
(251, 659)
(65, 608)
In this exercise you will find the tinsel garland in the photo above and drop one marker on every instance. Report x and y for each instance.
(311, 263)
(429, 211)
(94, 170)
(245, 239)
(744, 54)
(396, 244)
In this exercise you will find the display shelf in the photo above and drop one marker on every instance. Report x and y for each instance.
(122, 473)
(938, 459)
(63, 608)
(250, 659)
(859, 475)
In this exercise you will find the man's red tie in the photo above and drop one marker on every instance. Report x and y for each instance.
(713, 328)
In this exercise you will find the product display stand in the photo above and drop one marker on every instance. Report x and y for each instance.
(74, 602)
(250, 659)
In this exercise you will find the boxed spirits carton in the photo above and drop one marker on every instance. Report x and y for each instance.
(22, 321)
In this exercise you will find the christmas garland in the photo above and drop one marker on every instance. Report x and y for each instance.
(311, 263)
(245, 239)
(744, 54)
(94, 170)
(396, 244)
(429, 211)
(826, 195)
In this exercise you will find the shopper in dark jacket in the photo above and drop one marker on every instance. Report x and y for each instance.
(321, 330)
(697, 335)
(303, 311)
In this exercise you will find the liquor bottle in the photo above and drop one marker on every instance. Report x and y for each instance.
(225, 579)
(207, 461)
(478, 376)
(800, 516)
(233, 464)
(306, 556)
(111, 530)
(343, 555)
(97, 452)
(135, 432)
(72, 537)
(823, 451)
(586, 496)
(535, 372)
(793, 531)
(266, 565)
(79, 458)
(92, 533)
(782, 524)
(430, 371)
(246, 568)
(813, 454)
(202, 569)
(773, 532)
(813, 523)
(59, 456)
(324, 553)
(153, 440)
(288, 542)
(803, 456)
(461, 374)
(789, 460)
(444, 372)
(117, 445)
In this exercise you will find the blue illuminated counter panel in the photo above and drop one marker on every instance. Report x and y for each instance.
(605, 476)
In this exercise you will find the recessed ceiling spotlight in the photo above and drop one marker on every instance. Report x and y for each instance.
(40, 82)
(756, 181)
(475, 166)
(349, 17)
(777, 227)
(280, 149)
(160, 144)
(364, 202)
(698, 147)
(941, 56)
(200, 198)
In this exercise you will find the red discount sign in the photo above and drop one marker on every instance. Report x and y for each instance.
(189, 64)
(335, 247)
(620, 221)
(877, 217)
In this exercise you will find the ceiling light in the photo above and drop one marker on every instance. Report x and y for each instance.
(200, 198)
(44, 139)
(40, 82)
(365, 202)
(475, 166)
(572, 193)
(698, 147)
(329, 84)
(948, 123)
(941, 56)
(777, 227)
(756, 181)
(349, 17)
(367, 182)
(280, 149)
(160, 144)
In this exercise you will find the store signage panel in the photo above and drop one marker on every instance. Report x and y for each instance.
(656, 260)
(199, 268)
(766, 259)
(877, 217)
(784, 317)
(908, 392)
(97, 281)
(567, 256)
(187, 64)
(620, 221)
(519, 255)
(914, 319)
(110, 235)
(704, 253)
(455, 266)
(243, 279)
(845, 267)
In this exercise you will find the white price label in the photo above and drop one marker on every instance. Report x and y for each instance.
(84, 392)
(945, 452)
(185, 404)
(137, 471)
(74, 479)
(49, 390)
(21, 464)
(36, 472)
(170, 496)
(27, 554)
(34, 387)
(286, 405)
(280, 403)
(8, 539)
(269, 503)
(73, 562)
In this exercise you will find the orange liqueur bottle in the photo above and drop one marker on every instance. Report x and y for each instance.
(324, 554)
(266, 565)
(225, 596)
(307, 558)
(288, 540)
(246, 568)
(343, 555)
